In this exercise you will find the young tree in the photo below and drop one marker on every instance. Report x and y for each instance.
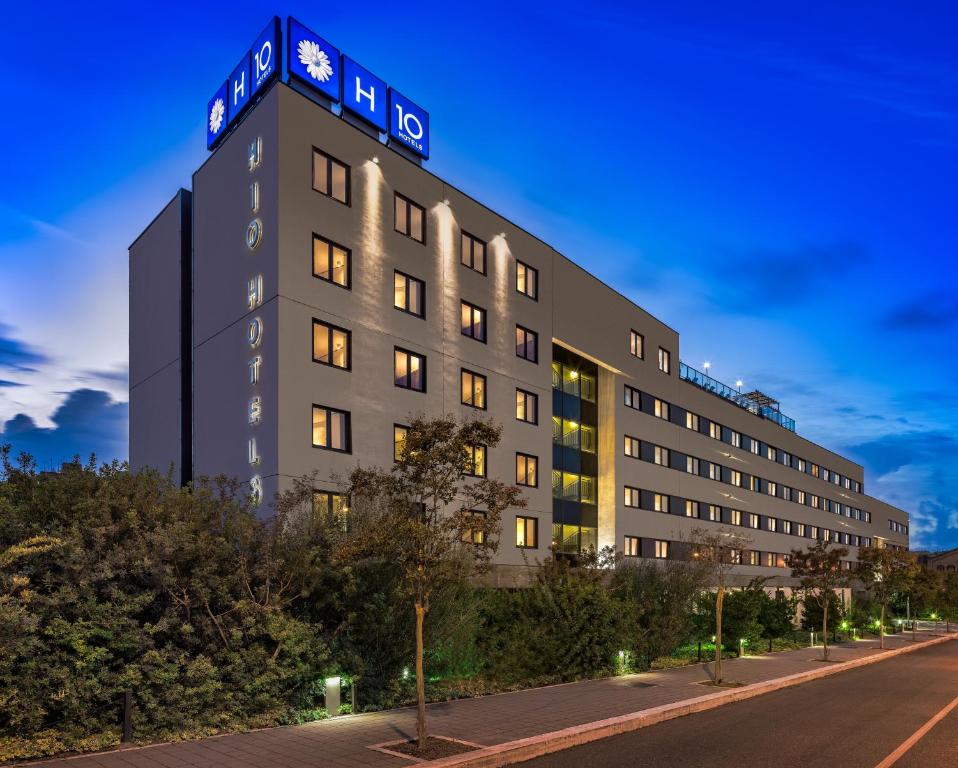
(431, 514)
(718, 552)
(885, 572)
(819, 569)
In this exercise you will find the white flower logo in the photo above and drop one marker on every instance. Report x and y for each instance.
(216, 116)
(315, 59)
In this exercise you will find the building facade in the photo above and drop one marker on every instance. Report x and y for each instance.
(316, 289)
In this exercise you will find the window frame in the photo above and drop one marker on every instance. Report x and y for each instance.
(526, 395)
(463, 235)
(463, 372)
(329, 333)
(399, 197)
(330, 160)
(666, 356)
(526, 519)
(348, 429)
(409, 355)
(535, 336)
(397, 426)
(527, 457)
(633, 335)
(349, 262)
(408, 279)
(484, 320)
(473, 449)
(529, 268)
(631, 546)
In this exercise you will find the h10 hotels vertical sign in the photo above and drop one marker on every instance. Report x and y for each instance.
(258, 67)
(322, 67)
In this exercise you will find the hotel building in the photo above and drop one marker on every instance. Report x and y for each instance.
(315, 288)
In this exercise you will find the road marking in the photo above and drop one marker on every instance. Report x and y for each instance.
(917, 735)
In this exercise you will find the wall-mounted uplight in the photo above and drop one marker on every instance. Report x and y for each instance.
(376, 159)
(445, 201)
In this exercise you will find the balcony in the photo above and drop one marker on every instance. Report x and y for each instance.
(755, 402)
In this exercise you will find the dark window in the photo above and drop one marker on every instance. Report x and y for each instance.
(665, 360)
(527, 280)
(527, 470)
(331, 345)
(473, 253)
(527, 406)
(410, 219)
(409, 294)
(331, 262)
(330, 177)
(410, 370)
(473, 389)
(331, 429)
(473, 321)
(527, 344)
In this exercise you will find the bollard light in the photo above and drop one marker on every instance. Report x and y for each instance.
(333, 685)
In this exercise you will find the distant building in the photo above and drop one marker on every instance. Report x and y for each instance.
(939, 561)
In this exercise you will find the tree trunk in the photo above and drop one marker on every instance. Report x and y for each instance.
(420, 679)
(719, 599)
(881, 629)
(825, 628)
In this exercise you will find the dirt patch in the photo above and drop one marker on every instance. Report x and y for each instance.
(436, 747)
(723, 684)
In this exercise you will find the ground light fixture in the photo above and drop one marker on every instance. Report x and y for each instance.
(333, 686)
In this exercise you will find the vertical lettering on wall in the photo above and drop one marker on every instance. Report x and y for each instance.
(254, 299)
(255, 291)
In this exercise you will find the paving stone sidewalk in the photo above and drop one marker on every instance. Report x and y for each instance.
(487, 720)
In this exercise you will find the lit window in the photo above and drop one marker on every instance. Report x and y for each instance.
(815, 470)
(631, 547)
(400, 434)
(410, 218)
(692, 421)
(410, 370)
(715, 471)
(801, 497)
(786, 493)
(632, 447)
(473, 321)
(736, 439)
(330, 345)
(812, 532)
(527, 406)
(330, 505)
(330, 177)
(772, 488)
(773, 524)
(473, 253)
(754, 483)
(633, 398)
(736, 517)
(691, 465)
(735, 556)
(632, 497)
(665, 360)
(769, 453)
(736, 477)
(408, 294)
(473, 389)
(661, 409)
(527, 344)
(691, 508)
(787, 527)
(715, 513)
(752, 520)
(801, 465)
(661, 456)
(637, 344)
(751, 557)
(661, 549)
(660, 502)
(331, 262)
(476, 460)
(527, 280)
(814, 501)
(330, 429)
(527, 470)
(527, 532)
(800, 529)
(715, 430)
(755, 447)
(475, 534)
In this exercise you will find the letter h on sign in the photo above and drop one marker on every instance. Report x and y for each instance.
(364, 94)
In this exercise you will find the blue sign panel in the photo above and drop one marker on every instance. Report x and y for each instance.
(266, 55)
(216, 115)
(312, 60)
(408, 124)
(239, 91)
(364, 94)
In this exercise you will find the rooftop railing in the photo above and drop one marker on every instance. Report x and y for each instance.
(745, 401)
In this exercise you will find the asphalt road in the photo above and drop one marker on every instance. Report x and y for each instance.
(853, 719)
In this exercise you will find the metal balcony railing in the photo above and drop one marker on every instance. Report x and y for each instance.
(755, 402)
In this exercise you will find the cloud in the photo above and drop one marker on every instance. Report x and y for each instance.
(936, 311)
(16, 354)
(5, 383)
(893, 451)
(88, 421)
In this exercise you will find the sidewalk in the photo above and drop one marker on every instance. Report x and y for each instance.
(487, 721)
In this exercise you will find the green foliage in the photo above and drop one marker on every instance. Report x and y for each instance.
(812, 613)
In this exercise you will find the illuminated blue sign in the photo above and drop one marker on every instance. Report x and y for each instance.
(313, 60)
(216, 115)
(266, 55)
(364, 94)
(408, 124)
(239, 88)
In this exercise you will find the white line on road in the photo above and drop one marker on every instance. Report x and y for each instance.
(917, 735)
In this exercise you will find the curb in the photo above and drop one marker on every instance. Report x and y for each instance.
(546, 743)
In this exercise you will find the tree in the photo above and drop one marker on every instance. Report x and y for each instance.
(430, 515)
(718, 552)
(885, 572)
(819, 568)
(777, 616)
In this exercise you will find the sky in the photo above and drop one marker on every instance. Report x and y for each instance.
(775, 181)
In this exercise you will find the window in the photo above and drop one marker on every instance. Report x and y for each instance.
(736, 439)
(800, 529)
(476, 460)
(772, 488)
(755, 447)
(715, 430)
(330, 429)
(328, 503)
(637, 344)
(691, 508)
(800, 497)
(692, 421)
(787, 527)
(769, 453)
(752, 520)
(801, 465)
(410, 370)
(715, 513)
(475, 534)
(473, 321)
(735, 477)
(331, 345)
(527, 470)
(772, 524)
(400, 434)
(527, 344)
(331, 262)
(660, 502)
(631, 547)
(473, 389)
(736, 517)
(665, 360)
(633, 398)
(661, 409)
(527, 280)
(410, 219)
(715, 471)
(691, 465)
(527, 406)
(632, 447)
(661, 456)
(409, 294)
(752, 557)
(473, 253)
(735, 556)
(527, 532)
(661, 549)
(632, 497)
(754, 483)
(330, 177)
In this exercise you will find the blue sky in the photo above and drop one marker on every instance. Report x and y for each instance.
(777, 183)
